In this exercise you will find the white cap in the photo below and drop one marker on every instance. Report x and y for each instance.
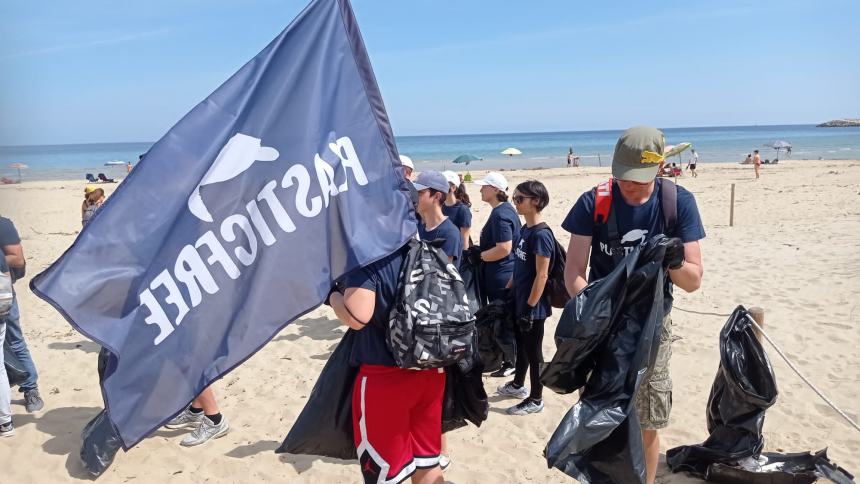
(407, 161)
(494, 179)
(452, 177)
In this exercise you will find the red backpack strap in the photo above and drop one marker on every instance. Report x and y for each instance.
(602, 202)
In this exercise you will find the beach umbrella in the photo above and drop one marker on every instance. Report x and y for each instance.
(115, 163)
(779, 145)
(511, 151)
(466, 159)
(19, 167)
(673, 150)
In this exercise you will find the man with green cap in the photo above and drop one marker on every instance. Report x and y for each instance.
(608, 222)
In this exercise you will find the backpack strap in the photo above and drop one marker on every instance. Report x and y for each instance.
(602, 202)
(669, 202)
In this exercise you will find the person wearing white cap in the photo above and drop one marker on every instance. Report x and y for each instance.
(408, 166)
(496, 244)
(457, 205)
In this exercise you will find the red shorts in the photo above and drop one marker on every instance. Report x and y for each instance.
(397, 421)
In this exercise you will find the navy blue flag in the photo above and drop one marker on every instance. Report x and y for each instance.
(237, 221)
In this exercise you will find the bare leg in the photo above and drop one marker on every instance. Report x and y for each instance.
(651, 442)
(206, 401)
(445, 450)
(428, 476)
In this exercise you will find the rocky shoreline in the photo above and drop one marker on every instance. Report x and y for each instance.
(840, 123)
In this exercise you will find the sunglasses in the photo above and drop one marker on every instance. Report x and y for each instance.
(518, 199)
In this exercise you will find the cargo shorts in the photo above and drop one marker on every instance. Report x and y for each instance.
(654, 399)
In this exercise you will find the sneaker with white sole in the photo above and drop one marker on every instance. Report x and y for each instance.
(206, 431)
(7, 429)
(444, 462)
(526, 407)
(186, 419)
(506, 370)
(509, 390)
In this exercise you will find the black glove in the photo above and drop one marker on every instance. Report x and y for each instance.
(674, 257)
(474, 255)
(524, 322)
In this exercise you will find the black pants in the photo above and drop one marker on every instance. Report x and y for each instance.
(530, 357)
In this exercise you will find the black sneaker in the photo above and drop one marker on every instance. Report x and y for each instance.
(526, 407)
(32, 401)
(507, 369)
(7, 429)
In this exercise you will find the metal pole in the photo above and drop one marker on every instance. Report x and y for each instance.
(732, 208)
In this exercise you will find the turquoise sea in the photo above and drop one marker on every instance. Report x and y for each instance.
(714, 144)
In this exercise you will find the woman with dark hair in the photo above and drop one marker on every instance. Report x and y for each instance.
(456, 206)
(496, 244)
(532, 258)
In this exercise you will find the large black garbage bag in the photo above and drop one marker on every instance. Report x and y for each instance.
(471, 275)
(14, 369)
(743, 389)
(100, 440)
(607, 337)
(324, 427)
(496, 338)
(773, 468)
(465, 398)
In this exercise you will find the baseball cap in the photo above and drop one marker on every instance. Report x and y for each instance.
(406, 161)
(431, 179)
(452, 177)
(494, 179)
(638, 154)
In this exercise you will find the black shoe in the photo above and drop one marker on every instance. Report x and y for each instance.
(7, 429)
(32, 401)
(507, 369)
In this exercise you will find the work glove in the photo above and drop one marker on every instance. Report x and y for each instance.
(473, 253)
(525, 321)
(674, 257)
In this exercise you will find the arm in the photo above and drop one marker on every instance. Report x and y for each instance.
(577, 260)
(689, 276)
(464, 232)
(14, 255)
(541, 276)
(497, 252)
(354, 307)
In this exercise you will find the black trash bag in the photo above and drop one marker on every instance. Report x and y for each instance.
(471, 275)
(607, 337)
(465, 399)
(743, 389)
(100, 439)
(773, 468)
(14, 369)
(490, 321)
(324, 427)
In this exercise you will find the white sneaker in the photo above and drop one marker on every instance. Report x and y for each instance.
(205, 431)
(186, 419)
(444, 462)
(509, 390)
(526, 407)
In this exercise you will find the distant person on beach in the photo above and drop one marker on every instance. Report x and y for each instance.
(692, 164)
(637, 200)
(496, 244)
(533, 257)
(748, 160)
(457, 207)
(432, 189)
(396, 413)
(128, 167)
(7, 429)
(14, 341)
(93, 200)
(571, 159)
(757, 164)
(204, 417)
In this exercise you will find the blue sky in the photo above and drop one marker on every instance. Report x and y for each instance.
(106, 71)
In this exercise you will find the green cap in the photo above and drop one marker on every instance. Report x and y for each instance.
(638, 154)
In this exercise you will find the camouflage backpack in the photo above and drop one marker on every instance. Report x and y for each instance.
(431, 324)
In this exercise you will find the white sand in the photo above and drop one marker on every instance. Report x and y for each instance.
(792, 250)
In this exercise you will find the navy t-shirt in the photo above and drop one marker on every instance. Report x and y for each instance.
(9, 236)
(635, 224)
(380, 277)
(459, 214)
(503, 225)
(447, 231)
(531, 242)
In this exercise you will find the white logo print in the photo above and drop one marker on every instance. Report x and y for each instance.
(635, 235)
(519, 250)
(234, 158)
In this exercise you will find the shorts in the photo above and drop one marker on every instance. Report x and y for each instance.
(397, 421)
(654, 399)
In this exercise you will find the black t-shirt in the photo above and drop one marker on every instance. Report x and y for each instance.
(447, 231)
(532, 242)
(380, 277)
(459, 214)
(502, 225)
(636, 224)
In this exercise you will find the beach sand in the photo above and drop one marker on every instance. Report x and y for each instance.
(792, 250)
